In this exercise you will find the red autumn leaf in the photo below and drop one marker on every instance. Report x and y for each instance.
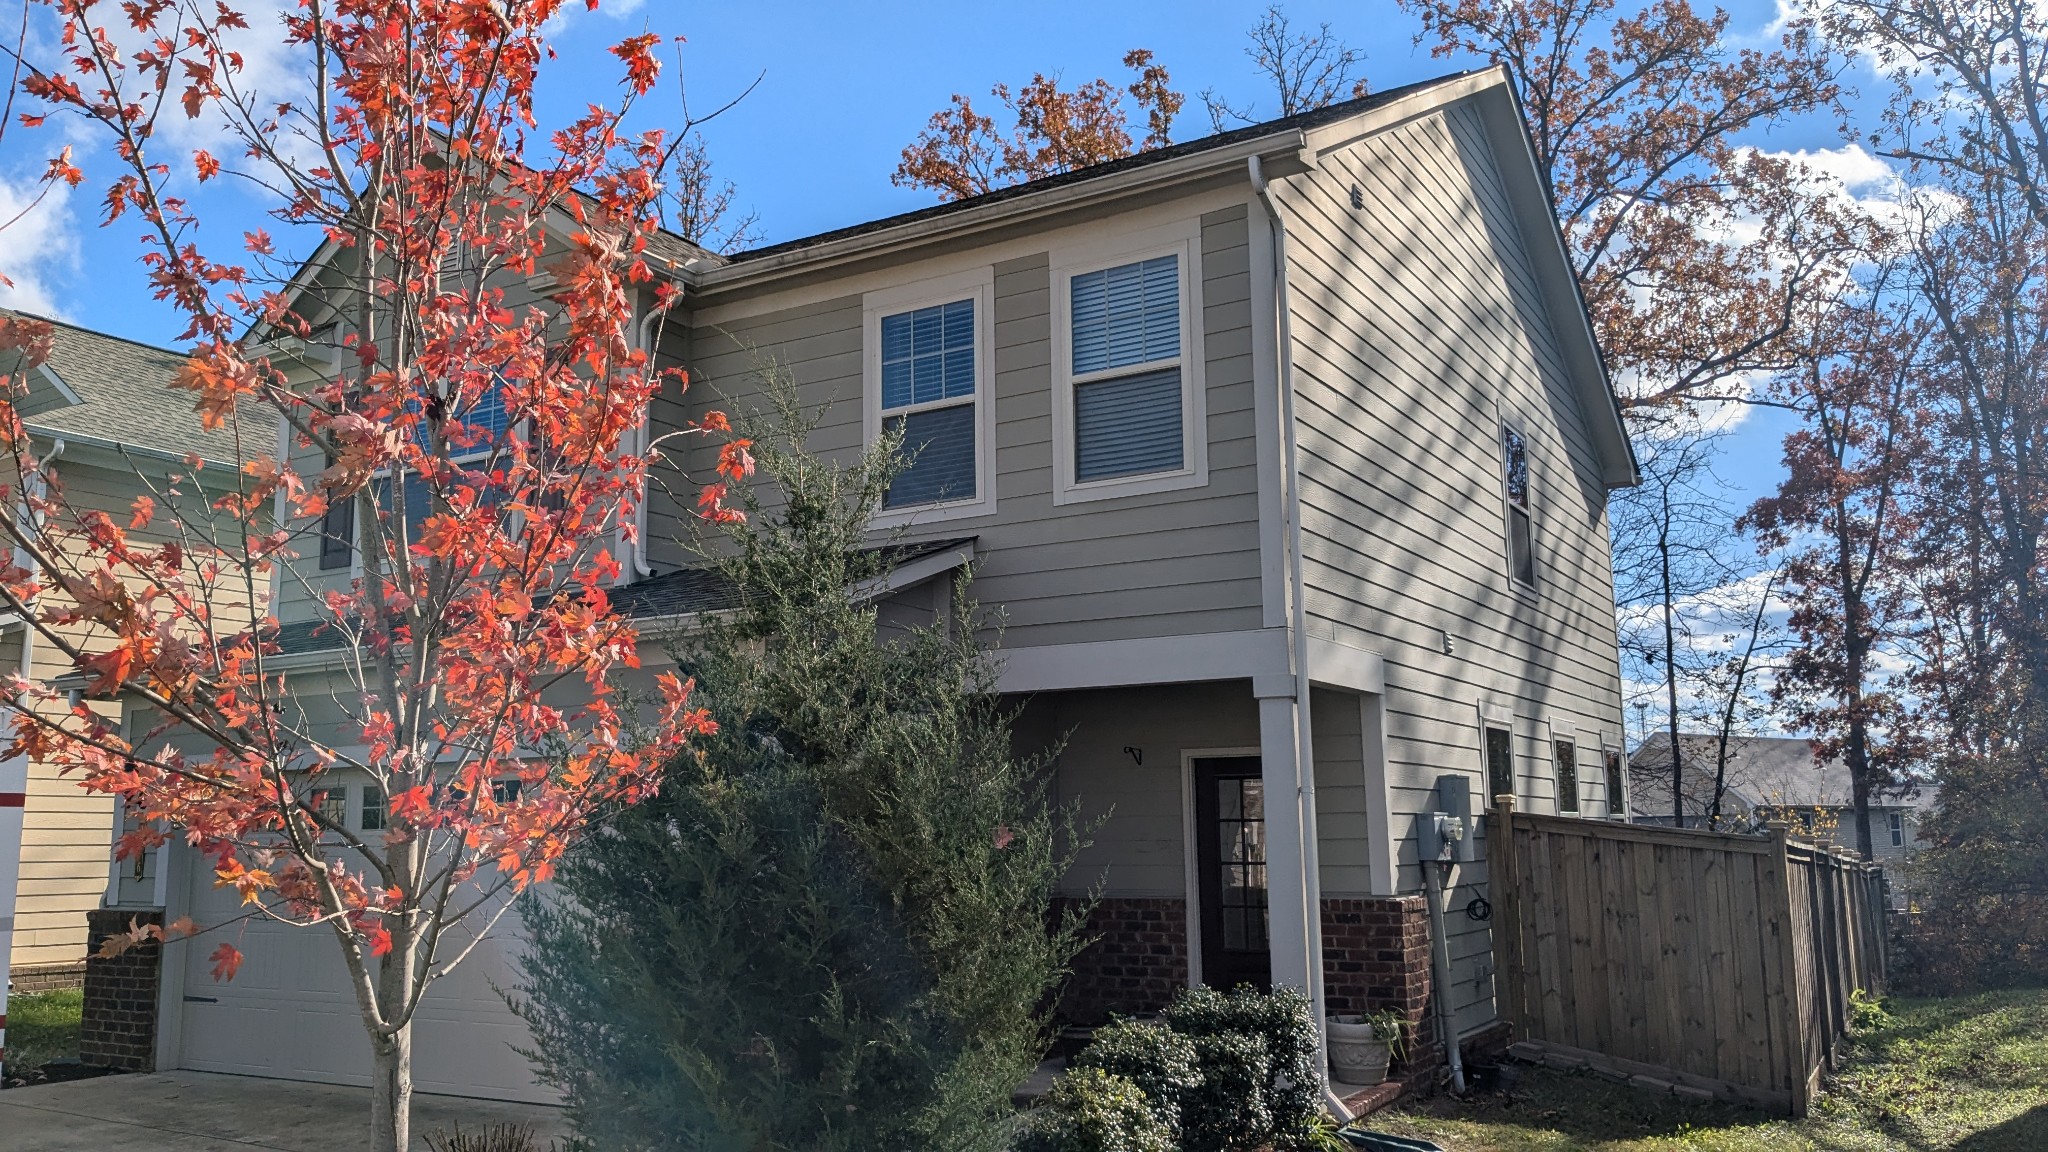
(207, 166)
(227, 960)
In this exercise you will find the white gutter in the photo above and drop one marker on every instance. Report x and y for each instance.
(1297, 624)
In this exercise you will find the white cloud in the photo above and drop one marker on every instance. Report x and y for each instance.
(39, 249)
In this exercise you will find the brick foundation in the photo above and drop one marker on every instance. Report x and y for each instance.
(1138, 960)
(1375, 956)
(119, 1026)
(47, 977)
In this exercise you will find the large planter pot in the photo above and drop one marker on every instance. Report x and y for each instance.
(1357, 1056)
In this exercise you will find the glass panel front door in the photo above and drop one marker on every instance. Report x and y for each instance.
(1230, 820)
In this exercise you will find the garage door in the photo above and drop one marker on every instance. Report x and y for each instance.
(289, 1013)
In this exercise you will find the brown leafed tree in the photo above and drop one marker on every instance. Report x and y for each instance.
(1696, 254)
(963, 153)
(1842, 514)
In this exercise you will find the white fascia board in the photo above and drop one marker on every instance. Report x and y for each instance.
(1335, 664)
(50, 374)
(1001, 213)
(1253, 654)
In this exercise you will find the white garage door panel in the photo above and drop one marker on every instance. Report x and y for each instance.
(289, 1012)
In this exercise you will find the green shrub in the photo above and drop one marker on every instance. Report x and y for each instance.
(1288, 1086)
(1232, 1109)
(1867, 1012)
(1161, 1062)
(1092, 1110)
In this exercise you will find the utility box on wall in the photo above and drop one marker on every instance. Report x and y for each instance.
(1447, 833)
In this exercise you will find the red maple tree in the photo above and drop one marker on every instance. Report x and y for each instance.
(484, 449)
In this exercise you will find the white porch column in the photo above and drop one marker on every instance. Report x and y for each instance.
(13, 799)
(1291, 933)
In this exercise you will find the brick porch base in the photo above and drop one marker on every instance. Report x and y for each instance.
(1375, 955)
(119, 1026)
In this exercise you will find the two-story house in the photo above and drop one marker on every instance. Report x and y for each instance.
(1284, 453)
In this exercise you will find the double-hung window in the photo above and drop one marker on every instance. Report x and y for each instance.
(1617, 783)
(485, 422)
(1521, 541)
(929, 384)
(1126, 387)
(1895, 823)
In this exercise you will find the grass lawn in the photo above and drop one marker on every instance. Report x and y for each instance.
(41, 1026)
(1969, 1074)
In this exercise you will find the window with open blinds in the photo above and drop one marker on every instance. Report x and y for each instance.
(928, 397)
(1128, 393)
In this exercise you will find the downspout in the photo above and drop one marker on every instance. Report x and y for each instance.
(643, 338)
(1290, 504)
(1436, 876)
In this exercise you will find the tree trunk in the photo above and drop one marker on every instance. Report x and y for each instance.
(1671, 666)
(391, 1092)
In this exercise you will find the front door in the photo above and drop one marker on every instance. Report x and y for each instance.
(1230, 853)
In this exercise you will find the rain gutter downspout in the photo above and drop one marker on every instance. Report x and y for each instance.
(643, 338)
(1304, 761)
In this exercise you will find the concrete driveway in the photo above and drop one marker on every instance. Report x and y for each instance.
(195, 1111)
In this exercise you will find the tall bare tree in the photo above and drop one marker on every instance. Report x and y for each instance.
(1308, 70)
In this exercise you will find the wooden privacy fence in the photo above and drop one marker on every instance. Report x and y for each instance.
(1711, 962)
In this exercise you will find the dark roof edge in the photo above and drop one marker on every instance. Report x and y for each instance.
(1297, 122)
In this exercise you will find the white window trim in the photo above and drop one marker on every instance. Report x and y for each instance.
(1493, 714)
(979, 285)
(1182, 240)
(1563, 729)
(1507, 511)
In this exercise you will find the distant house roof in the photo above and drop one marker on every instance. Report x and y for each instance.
(117, 392)
(1762, 772)
(672, 595)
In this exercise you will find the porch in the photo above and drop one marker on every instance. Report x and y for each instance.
(1197, 863)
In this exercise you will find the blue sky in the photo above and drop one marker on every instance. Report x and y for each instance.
(845, 87)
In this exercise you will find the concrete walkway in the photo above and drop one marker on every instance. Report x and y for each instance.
(202, 1111)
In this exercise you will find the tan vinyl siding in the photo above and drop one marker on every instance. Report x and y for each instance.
(1132, 811)
(1418, 327)
(1162, 564)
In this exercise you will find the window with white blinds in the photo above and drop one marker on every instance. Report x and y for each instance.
(485, 423)
(929, 385)
(1126, 388)
(928, 397)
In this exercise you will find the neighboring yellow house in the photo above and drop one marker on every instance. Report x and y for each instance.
(102, 417)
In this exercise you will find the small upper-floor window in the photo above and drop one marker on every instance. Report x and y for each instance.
(1566, 755)
(372, 810)
(928, 398)
(1521, 528)
(930, 384)
(1127, 403)
(1617, 787)
(1897, 824)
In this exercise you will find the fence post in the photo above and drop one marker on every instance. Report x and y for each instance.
(1507, 913)
(1777, 900)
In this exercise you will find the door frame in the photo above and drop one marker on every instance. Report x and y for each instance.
(1190, 861)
